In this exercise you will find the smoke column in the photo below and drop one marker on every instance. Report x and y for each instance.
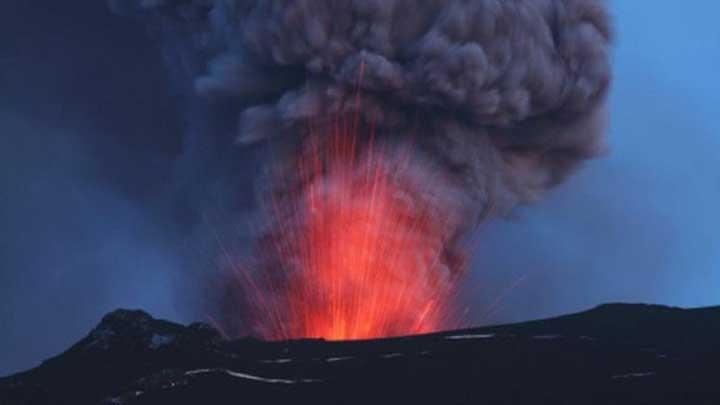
(500, 99)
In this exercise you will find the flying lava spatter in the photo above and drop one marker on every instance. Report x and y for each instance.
(358, 256)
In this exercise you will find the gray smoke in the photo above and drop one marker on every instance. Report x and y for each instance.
(505, 97)
(509, 96)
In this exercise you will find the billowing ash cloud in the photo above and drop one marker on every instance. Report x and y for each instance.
(507, 95)
(503, 98)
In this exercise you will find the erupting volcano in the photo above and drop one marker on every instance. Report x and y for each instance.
(469, 108)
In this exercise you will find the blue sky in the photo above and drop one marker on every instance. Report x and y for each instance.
(640, 224)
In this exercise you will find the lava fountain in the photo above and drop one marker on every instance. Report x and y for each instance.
(469, 108)
(359, 250)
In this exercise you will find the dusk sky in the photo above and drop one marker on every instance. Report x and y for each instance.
(89, 130)
(640, 224)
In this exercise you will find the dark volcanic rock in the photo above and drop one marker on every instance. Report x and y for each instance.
(613, 354)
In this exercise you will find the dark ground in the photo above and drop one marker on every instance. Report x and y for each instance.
(613, 354)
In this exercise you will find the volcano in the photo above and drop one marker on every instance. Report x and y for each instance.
(612, 354)
(378, 136)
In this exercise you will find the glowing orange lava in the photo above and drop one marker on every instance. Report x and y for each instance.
(360, 253)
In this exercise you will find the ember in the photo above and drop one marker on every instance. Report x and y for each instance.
(358, 251)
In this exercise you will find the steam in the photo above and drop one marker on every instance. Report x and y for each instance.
(504, 99)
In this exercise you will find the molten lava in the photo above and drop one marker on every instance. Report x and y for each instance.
(358, 248)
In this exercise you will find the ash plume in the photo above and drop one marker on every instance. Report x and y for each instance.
(508, 95)
(504, 98)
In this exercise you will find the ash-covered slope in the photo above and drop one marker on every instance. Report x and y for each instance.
(613, 354)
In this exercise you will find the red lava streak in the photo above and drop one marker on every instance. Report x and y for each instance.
(358, 250)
